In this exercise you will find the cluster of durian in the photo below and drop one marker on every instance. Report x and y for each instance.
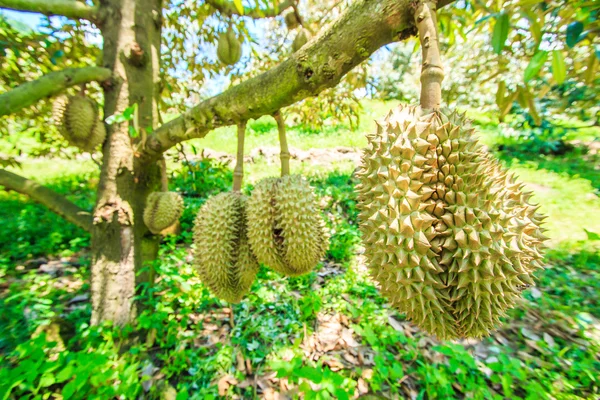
(222, 254)
(450, 237)
(78, 121)
(285, 228)
(162, 210)
(229, 47)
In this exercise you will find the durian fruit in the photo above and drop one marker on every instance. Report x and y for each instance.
(78, 122)
(222, 254)
(163, 209)
(285, 228)
(229, 48)
(301, 39)
(291, 21)
(449, 235)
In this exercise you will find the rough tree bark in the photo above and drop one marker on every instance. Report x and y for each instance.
(120, 242)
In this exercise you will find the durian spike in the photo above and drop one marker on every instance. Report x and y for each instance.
(164, 179)
(432, 72)
(238, 172)
(284, 154)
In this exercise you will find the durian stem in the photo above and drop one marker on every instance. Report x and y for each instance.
(238, 172)
(284, 154)
(164, 179)
(432, 72)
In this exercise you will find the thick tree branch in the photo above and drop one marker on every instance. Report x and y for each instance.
(226, 7)
(48, 85)
(66, 8)
(49, 198)
(365, 27)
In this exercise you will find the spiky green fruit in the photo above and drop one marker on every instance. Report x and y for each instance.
(291, 21)
(301, 39)
(449, 236)
(285, 228)
(222, 253)
(78, 122)
(229, 48)
(162, 210)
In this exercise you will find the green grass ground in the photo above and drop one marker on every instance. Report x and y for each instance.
(325, 335)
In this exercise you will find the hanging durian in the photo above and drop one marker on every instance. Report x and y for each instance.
(285, 228)
(302, 37)
(163, 209)
(229, 47)
(291, 20)
(78, 121)
(449, 236)
(222, 254)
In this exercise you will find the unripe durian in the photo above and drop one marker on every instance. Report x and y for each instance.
(301, 39)
(78, 122)
(285, 228)
(449, 236)
(229, 48)
(163, 209)
(291, 21)
(222, 254)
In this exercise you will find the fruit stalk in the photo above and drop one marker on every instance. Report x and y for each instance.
(284, 154)
(432, 72)
(164, 180)
(238, 172)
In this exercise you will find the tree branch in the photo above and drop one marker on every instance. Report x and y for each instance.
(66, 8)
(48, 85)
(227, 8)
(48, 198)
(365, 27)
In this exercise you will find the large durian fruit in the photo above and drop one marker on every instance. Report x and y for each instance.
(449, 235)
(163, 209)
(222, 254)
(285, 227)
(78, 121)
(229, 48)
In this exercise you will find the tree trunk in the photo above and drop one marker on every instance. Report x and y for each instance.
(120, 241)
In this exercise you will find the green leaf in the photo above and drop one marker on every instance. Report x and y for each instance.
(65, 373)
(536, 63)
(559, 70)
(68, 390)
(310, 373)
(47, 380)
(592, 235)
(239, 6)
(573, 33)
(500, 32)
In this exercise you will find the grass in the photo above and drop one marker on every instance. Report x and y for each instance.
(328, 334)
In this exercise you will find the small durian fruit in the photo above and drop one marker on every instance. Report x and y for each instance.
(285, 228)
(291, 21)
(450, 237)
(229, 48)
(78, 122)
(163, 209)
(301, 39)
(222, 253)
